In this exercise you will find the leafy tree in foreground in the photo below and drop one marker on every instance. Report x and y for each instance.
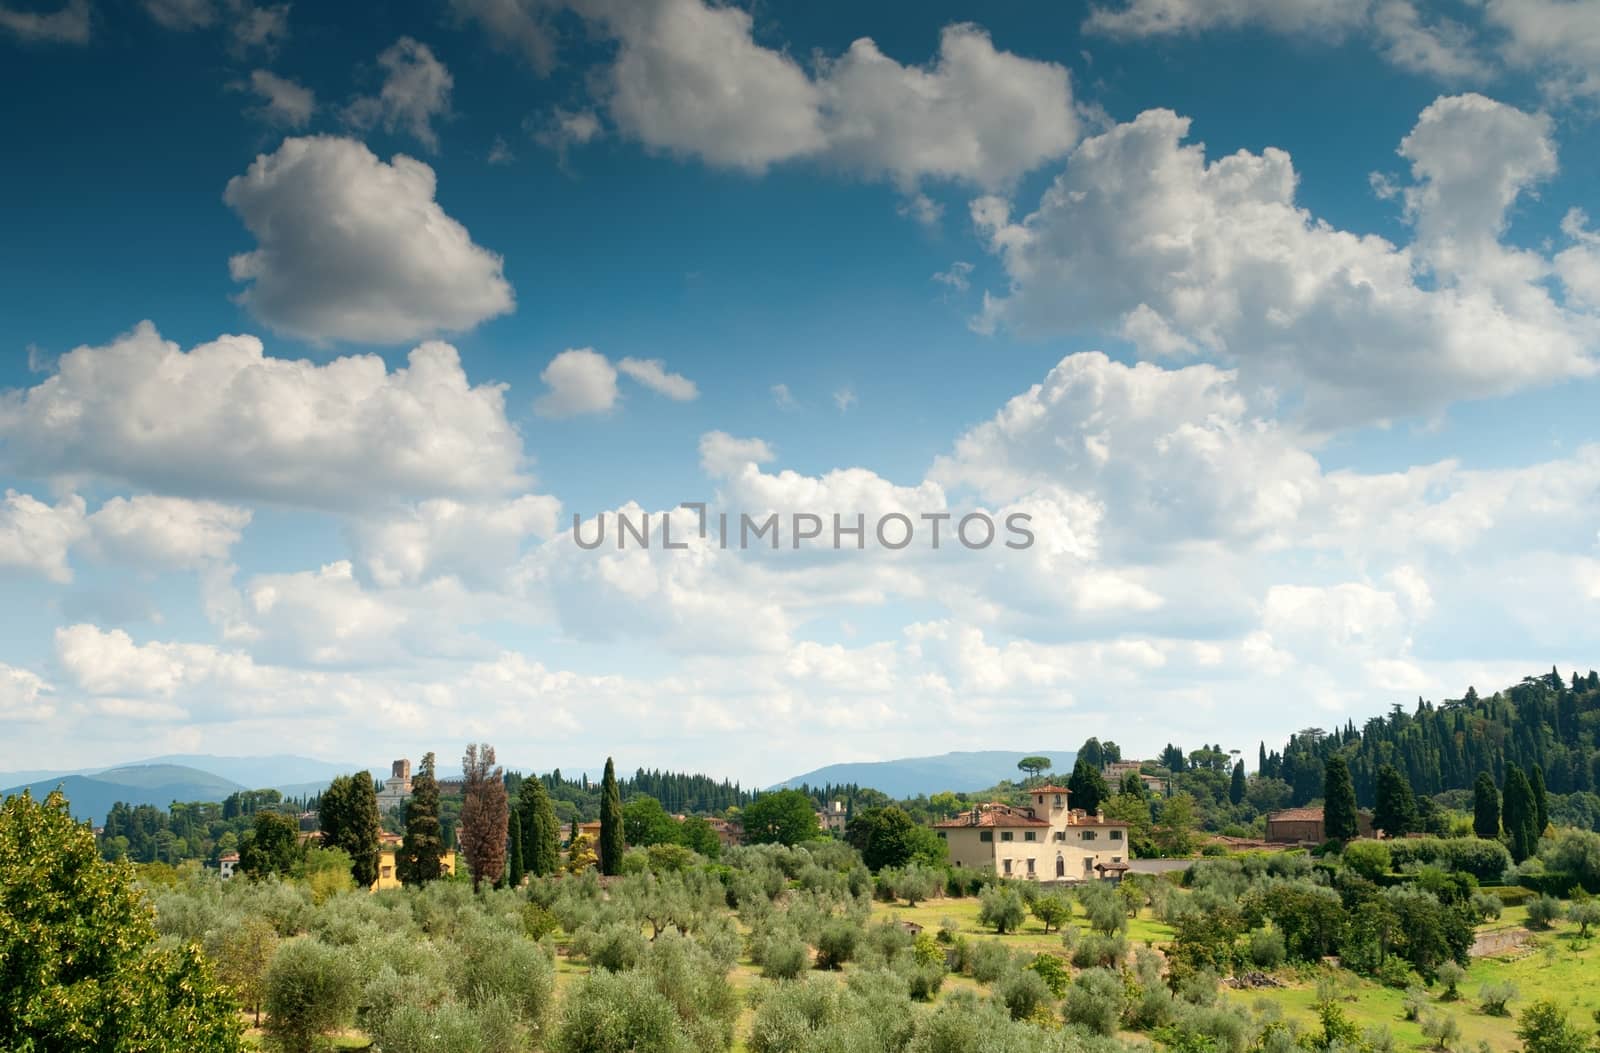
(1338, 801)
(785, 817)
(484, 814)
(885, 837)
(311, 989)
(423, 845)
(1485, 807)
(80, 968)
(612, 839)
(348, 817)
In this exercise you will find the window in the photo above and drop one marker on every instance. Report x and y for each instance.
(1008, 868)
(1030, 868)
(1116, 859)
(1006, 835)
(985, 835)
(1058, 800)
(1028, 836)
(1116, 835)
(1087, 835)
(1061, 835)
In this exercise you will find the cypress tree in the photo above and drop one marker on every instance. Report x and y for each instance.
(611, 843)
(1261, 760)
(1087, 788)
(514, 850)
(1396, 810)
(541, 830)
(1338, 801)
(1517, 814)
(1541, 807)
(1236, 787)
(423, 845)
(1485, 807)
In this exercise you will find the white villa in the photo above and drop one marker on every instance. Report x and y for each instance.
(1047, 841)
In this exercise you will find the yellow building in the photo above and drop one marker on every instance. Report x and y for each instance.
(1047, 841)
(388, 876)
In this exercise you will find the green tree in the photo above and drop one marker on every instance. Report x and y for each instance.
(1236, 786)
(348, 818)
(1032, 766)
(1541, 805)
(1338, 801)
(241, 950)
(272, 846)
(1086, 787)
(1052, 910)
(1544, 1028)
(1174, 835)
(1396, 810)
(646, 823)
(514, 850)
(698, 835)
(422, 848)
(80, 966)
(541, 830)
(485, 813)
(311, 989)
(1485, 807)
(1002, 907)
(612, 838)
(885, 837)
(1134, 809)
(784, 817)
(1518, 814)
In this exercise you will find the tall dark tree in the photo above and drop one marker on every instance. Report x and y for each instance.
(348, 818)
(1339, 818)
(1133, 784)
(1236, 785)
(885, 837)
(1261, 759)
(484, 814)
(1086, 788)
(1518, 815)
(514, 850)
(1092, 752)
(541, 830)
(1541, 806)
(1485, 807)
(1395, 812)
(422, 848)
(612, 844)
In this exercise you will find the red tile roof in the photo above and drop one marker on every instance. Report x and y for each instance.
(1296, 815)
(1049, 789)
(992, 815)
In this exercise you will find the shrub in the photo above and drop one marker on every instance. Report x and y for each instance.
(790, 1015)
(784, 957)
(310, 990)
(1544, 1028)
(1095, 1001)
(1495, 997)
(1266, 948)
(1543, 911)
(450, 1028)
(836, 943)
(1002, 907)
(1396, 972)
(1367, 858)
(538, 921)
(609, 1012)
(1022, 992)
(1415, 1003)
(496, 964)
(989, 961)
(614, 947)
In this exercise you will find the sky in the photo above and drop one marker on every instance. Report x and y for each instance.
(321, 326)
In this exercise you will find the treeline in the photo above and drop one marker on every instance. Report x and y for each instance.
(1545, 722)
(680, 793)
(184, 830)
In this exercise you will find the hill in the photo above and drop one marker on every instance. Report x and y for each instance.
(91, 797)
(960, 772)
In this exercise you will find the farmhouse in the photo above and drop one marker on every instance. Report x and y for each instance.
(1304, 826)
(1044, 841)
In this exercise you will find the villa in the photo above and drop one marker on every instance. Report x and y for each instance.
(1046, 841)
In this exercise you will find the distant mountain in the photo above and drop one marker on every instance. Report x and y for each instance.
(284, 772)
(91, 797)
(910, 776)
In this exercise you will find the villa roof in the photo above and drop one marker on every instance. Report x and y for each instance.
(990, 816)
(1049, 789)
(1296, 815)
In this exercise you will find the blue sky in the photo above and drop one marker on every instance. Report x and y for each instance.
(1280, 319)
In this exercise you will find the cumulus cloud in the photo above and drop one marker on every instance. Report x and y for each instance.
(146, 530)
(519, 26)
(473, 541)
(353, 248)
(1143, 232)
(416, 90)
(23, 696)
(722, 454)
(225, 420)
(1146, 18)
(581, 381)
(68, 24)
(35, 537)
(283, 102)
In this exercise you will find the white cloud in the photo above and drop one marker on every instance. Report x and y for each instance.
(564, 129)
(472, 541)
(500, 152)
(23, 696)
(1148, 18)
(1141, 231)
(783, 397)
(352, 248)
(224, 420)
(416, 90)
(1443, 49)
(844, 399)
(283, 102)
(146, 531)
(521, 26)
(1558, 39)
(36, 537)
(1578, 266)
(958, 277)
(652, 373)
(722, 454)
(580, 380)
(250, 27)
(67, 25)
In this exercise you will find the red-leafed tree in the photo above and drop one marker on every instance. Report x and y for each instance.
(484, 814)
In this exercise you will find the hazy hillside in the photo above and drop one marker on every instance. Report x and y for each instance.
(960, 772)
(91, 797)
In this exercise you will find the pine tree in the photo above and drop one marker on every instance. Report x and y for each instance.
(514, 833)
(1261, 760)
(484, 815)
(348, 818)
(1338, 801)
(1396, 810)
(1541, 806)
(611, 842)
(1236, 787)
(1517, 814)
(541, 830)
(1485, 807)
(423, 846)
